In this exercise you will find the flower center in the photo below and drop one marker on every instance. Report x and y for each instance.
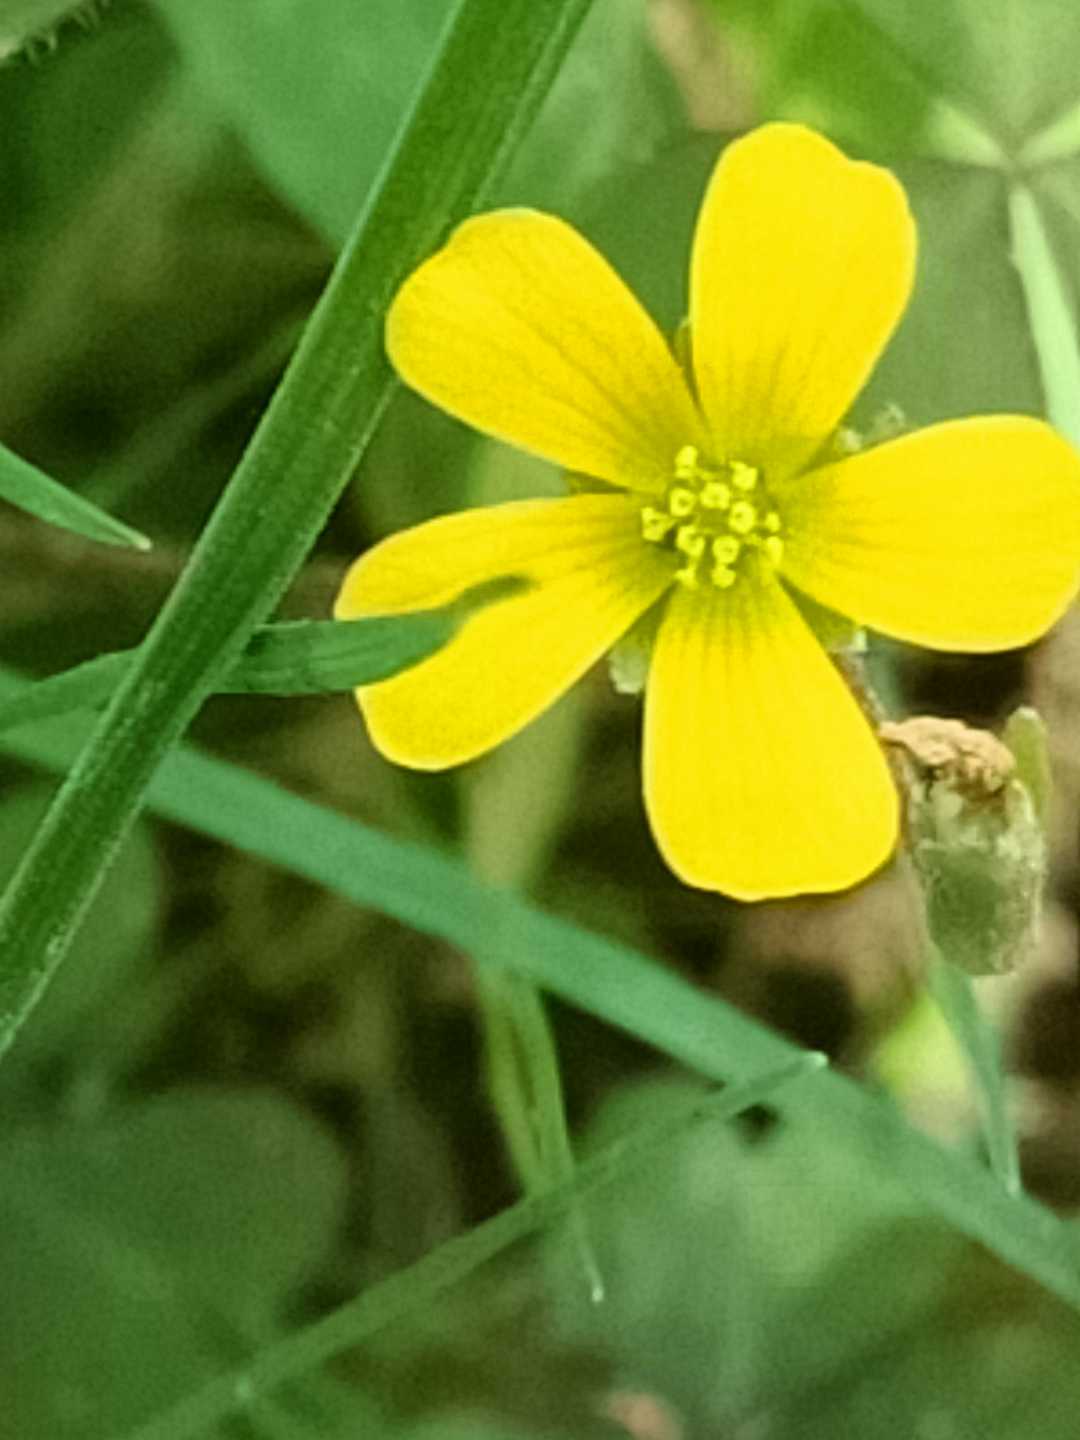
(712, 518)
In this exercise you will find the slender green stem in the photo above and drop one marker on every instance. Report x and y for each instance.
(494, 67)
(978, 1038)
(510, 829)
(526, 1091)
(512, 1094)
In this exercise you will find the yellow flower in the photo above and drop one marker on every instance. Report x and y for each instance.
(719, 499)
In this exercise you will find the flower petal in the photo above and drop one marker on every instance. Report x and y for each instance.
(519, 327)
(590, 576)
(963, 536)
(762, 778)
(803, 263)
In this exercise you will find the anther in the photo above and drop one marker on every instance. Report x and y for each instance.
(774, 548)
(686, 462)
(681, 502)
(688, 575)
(654, 523)
(715, 495)
(743, 476)
(742, 517)
(772, 522)
(725, 549)
(722, 577)
(690, 540)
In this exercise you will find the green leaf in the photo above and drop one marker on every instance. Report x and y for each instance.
(494, 68)
(1012, 66)
(826, 63)
(954, 77)
(23, 21)
(111, 1237)
(35, 492)
(311, 657)
(412, 1290)
(776, 1272)
(293, 79)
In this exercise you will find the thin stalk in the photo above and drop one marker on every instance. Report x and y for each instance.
(511, 825)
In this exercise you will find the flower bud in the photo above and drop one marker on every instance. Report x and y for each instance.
(976, 839)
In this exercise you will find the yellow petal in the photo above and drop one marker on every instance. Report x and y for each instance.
(803, 262)
(590, 576)
(519, 327)
(762, 778)
(963, 536)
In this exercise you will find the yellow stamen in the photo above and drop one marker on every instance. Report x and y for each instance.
(707, 515)
(686, 462)
(654, 523)
(715, 495)
(742, 517)
(690, 540)
(681, 502)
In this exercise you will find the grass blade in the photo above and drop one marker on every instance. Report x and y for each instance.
(440, 897)
(303, 657)
(29, 488)
(492, 71)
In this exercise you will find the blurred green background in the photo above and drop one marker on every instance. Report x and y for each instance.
(245, 1100)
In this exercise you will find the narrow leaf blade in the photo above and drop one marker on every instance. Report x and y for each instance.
(29, 488)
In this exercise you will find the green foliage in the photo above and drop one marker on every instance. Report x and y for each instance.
(115, 942)
(183, 1253)
(289, 77)
(138, 1273)
(438, 897)
(26, 22)
(291, 474)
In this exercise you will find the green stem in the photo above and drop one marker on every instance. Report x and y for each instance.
(526, 1091)
(493, 69)
(978, 1038)
(511, 824)
(509, 1051)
